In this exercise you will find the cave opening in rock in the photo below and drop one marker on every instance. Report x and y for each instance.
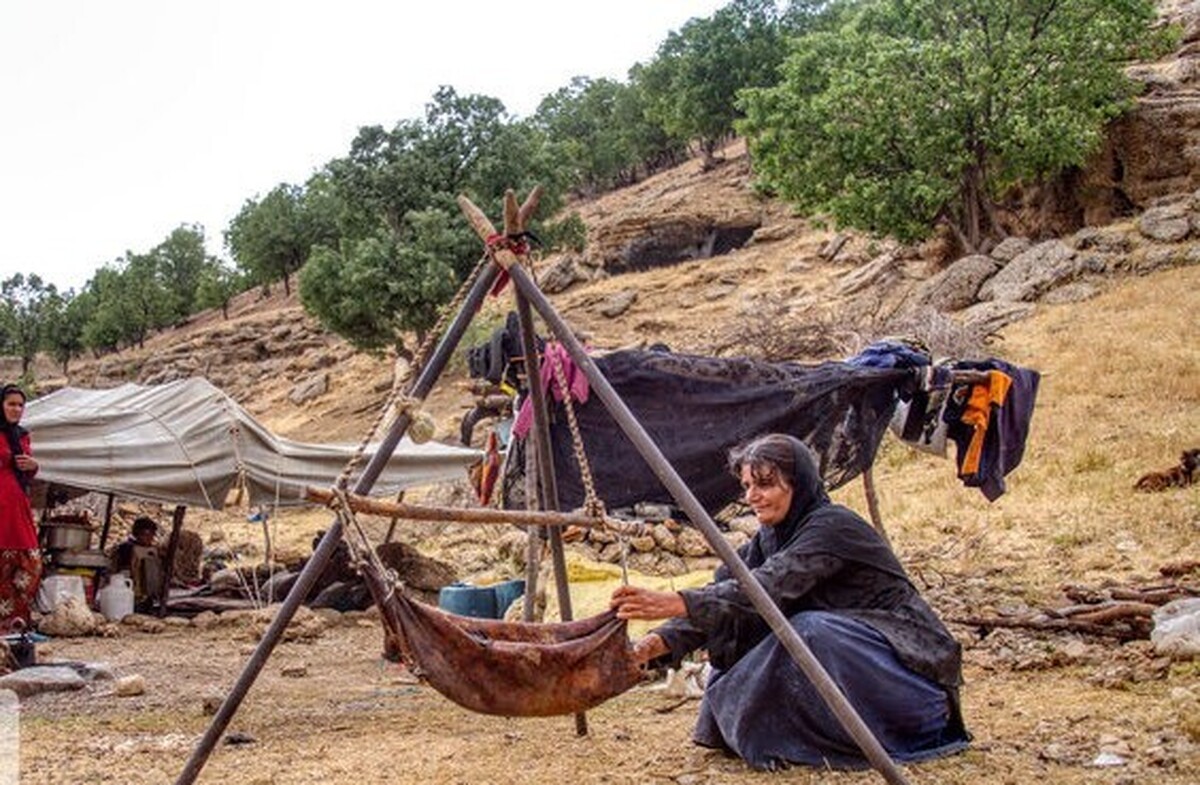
(669, 244)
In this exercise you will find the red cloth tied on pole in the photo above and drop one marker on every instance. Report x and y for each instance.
(519, 247)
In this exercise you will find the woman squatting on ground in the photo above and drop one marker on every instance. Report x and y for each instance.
(849, 599)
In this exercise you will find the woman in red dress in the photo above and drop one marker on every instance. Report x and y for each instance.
(20, 561)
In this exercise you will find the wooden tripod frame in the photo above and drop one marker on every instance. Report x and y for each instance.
(528, 294)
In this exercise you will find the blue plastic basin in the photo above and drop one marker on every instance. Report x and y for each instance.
(466, 600)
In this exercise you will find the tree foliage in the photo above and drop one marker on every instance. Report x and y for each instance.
(598, 132)
(403, 246)
(217, 285)
(65, 319)
(179, 262)
(26, 302)
(692, 82)
(272, 237)
(372, 290)
(915, 112)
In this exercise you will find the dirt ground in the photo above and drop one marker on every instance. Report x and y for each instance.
(330, 710)
(1043, 707)
(1120, 395)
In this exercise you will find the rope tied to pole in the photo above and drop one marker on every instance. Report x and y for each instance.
(519, 244)
(361, 552)
(593, 505)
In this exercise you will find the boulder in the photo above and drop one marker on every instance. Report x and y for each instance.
(989, 318)
(1166, 224)
(1104, 239)
(956, 287)
(618, 303)
(880, 271)
(42, 678)
(563, 274)
(1075, 292)
(1033, 273)
(313, 387)
(1010, 248)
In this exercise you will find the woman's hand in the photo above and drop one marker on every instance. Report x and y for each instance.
(649, 648)
(26, 463)
(632, 602)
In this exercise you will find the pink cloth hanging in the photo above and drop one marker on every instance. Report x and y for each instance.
(577, 384)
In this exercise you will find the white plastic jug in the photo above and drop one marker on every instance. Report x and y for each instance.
(116, 599)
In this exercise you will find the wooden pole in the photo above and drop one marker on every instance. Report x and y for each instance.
(487, 515)
(392, 523)
(534, 540)
(683, 495)
(168, 571)
(333, 535)
(108, 508)
(514, 225)
(515, 218)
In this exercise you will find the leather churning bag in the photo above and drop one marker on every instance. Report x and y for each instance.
(512, 669)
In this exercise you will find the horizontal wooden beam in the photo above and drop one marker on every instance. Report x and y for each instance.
(485, 515)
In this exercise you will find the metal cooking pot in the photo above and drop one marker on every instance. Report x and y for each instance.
(60, 535)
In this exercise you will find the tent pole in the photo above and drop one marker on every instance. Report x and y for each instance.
(545, 465)
(164, 591)
(107, 521)
(766, 607)
(333, 535)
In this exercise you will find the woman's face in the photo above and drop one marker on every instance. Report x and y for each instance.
(769, 495)
(14, 407)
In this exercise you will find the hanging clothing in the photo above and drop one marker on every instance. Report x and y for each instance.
(555, 356)
(844, 590)
(919, 420)
(989, 423)
(20, 561)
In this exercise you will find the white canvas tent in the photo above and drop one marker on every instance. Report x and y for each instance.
(189, 443)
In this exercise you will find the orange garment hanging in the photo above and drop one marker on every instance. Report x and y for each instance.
(978, 412)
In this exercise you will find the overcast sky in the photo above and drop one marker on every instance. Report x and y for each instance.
(121, 120)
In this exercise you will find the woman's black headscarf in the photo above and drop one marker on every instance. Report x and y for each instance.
(808, 494)
(851, 538)
(13, 433)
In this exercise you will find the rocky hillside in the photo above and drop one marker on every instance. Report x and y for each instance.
(696, 259)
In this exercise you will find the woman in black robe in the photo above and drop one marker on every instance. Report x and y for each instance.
(846, 595)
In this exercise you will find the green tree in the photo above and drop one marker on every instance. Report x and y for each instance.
(272, 238)
(404, 246)
(104, 328)
(692, 82)
(217, 286)
(129, 302)
(918, 112)
(372, 290)
(146, 300)
(26, 302)
(65, 319)
(180, 260)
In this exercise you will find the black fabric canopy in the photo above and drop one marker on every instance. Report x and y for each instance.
(697, 408)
